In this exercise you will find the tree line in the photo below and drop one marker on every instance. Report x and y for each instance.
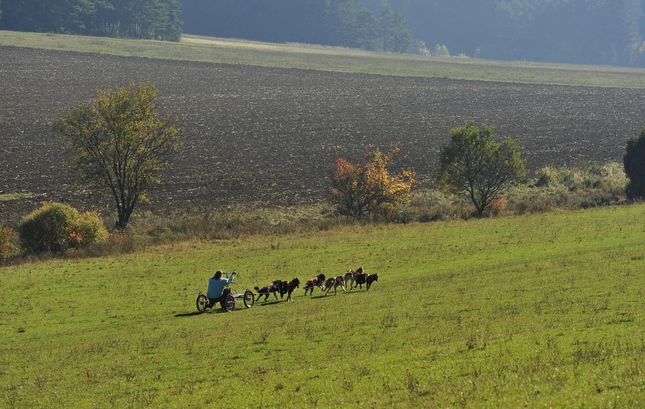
(150, 19)
(346, 23)
(568, 31)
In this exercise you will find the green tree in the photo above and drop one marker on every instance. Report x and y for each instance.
(394, 30)
(120, 143)
(351, 24)
(474, 165)
(634, 162)
(367, 187)
(152, 19)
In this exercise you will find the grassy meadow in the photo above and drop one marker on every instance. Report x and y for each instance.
(338, 59)
(541, 310)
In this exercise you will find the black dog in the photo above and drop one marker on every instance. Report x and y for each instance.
(371, 278)
(367, 279)
(287, 287)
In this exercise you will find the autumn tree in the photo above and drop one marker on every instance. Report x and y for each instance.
(119, 143)
(367, 187)
(634, 163)
(474, 165)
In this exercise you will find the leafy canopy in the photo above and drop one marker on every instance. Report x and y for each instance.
(120, 143)
(366, 187)
(474, 165)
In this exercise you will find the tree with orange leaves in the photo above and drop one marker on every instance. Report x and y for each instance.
(367, 188)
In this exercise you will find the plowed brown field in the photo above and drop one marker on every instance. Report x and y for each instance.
(270, 136)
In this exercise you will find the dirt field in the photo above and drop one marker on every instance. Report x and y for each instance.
(270, 136)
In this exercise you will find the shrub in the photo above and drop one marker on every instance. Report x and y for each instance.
(609, 177)
(441, 50)
(368, 188)
(634, 162)
(9, 243)
(497, 205)
(91, 228)
(56, 227)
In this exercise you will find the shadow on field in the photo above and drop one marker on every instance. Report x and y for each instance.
(195, 313)
(264, 303)
(189, 314)
(336, 295)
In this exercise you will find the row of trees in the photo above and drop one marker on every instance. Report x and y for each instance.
(569, 31)
(150, 19)
(472, 164)
(347, 23)
(120, 143)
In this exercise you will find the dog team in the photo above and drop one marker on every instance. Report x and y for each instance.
(353, 278)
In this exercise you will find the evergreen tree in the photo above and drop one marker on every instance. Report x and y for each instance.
(154, 19)
(394, 30)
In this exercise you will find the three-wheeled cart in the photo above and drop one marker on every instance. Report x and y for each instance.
(248, 297)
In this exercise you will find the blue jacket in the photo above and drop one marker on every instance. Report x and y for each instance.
(216, 287)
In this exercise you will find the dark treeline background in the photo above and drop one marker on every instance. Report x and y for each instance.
(570, 31)
(347, 23)
(151, 19)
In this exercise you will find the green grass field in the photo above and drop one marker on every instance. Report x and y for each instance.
(231, 51)
(532, 311)
(535, 311)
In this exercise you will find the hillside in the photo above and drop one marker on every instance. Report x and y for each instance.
(537, 311)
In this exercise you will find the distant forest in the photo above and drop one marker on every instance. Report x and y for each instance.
(347, 23)
(606, 32)
(150, 19)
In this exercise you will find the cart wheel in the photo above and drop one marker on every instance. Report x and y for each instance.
(202, 303)
(229, 303)
(249, 298)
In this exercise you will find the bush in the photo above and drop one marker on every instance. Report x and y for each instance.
(609, 177)
(9, 243)
(368, 188)
(634, 162)
(56, 227)
(91, 228)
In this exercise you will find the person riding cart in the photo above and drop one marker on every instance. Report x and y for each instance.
(217, 288)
